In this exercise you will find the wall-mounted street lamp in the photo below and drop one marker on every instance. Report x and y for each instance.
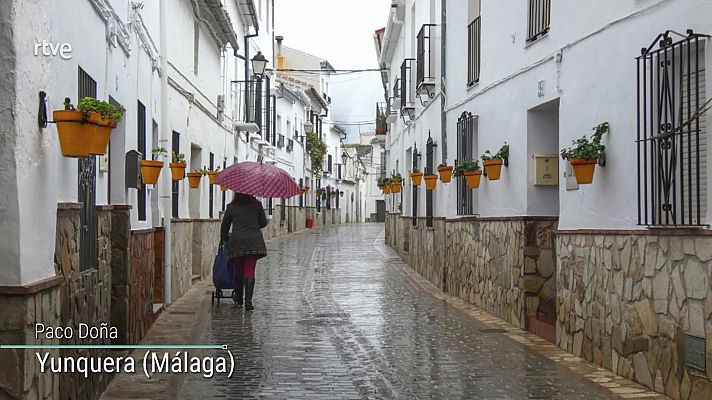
(344, 157)
(259, 64)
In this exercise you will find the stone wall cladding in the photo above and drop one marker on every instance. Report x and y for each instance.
(142, 260)
(182, 257)
(19, 375)
(206, 237)
(625, 302)
(481, 261)
(85, 296)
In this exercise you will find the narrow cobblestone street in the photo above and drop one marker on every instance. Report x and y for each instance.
(336, 319)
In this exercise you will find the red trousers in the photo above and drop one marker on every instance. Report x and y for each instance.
(245, 267)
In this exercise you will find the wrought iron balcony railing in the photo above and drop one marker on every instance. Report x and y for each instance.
(474, 43)
(539, 19)
(407, 97)
(255, 103)
(425, 76)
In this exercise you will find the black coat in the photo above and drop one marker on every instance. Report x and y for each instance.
(246, 238)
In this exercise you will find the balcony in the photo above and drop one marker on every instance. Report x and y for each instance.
(539, 19)
(407, 97)
(290, 145)
(381, 122)
(426, 69)
(254, 104)
(280, 141)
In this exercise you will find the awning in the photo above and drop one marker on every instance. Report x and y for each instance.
(218, 21)
(248, 12)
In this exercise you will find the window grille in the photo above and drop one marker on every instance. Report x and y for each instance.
(539, 19)
(672, 131)
(473, 51)
(429, 169)
(87, 189)
(466, 142)
(425, 74)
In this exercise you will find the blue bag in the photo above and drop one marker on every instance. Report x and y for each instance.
(223, 270)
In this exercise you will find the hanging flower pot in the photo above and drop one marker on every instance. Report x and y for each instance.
(473, 179)
(586, 153)
(445, 173)
(194, 179)
(387, 189)
(100, 141)
(150, 171)
(431, 181)
(305, 189)
(213, 176)
(341, 194)
(493, 169)
(583, 169)
(223, 188)
(417, 178)
(76, 130)
(177, 170)
(396, 187)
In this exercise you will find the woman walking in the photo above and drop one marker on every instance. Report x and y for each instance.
(245, 244)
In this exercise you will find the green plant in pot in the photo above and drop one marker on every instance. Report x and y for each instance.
(151, 169)
(178, 166)
(471, 171)
(586, 153)
(396, 183)
(381, 125)
(195, 177)
(493, 163)
(416, 176)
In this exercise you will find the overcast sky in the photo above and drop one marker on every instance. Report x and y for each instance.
(340, 31)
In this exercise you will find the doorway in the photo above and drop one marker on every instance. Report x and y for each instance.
(380, 211)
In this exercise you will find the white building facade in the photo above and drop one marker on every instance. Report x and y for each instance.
(536, 248)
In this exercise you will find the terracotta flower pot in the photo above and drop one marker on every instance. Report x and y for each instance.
(177, 171)
(493, 169)
(213, 176)
(76, 131)
(387, 189)
(445, 173)
(473, 179)
(150, 171)
(417, 178)
(100, 141)
(396, 187)
(223, 188)
(583, 169)
(431, 180)
(194, 179)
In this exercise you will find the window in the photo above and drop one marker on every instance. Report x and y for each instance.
(672, 132)
(289, 127)
(474, 42)
(87, 188)
(141, 147)
(539, 19)
(466, 151)
(175, 192)
(406, 85)
(329, 163)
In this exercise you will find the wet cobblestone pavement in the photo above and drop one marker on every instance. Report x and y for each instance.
(335, 320)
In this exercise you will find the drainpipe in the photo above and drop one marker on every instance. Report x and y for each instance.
(443, 80)
(166, 186)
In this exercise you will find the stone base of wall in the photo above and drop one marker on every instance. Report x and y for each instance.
(627, 301)
(504, 266)
(20, 309)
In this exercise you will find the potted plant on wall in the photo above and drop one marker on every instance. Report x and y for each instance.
(396, 183)
(195, 177)
(320, 193)
(585, 154)
(213, 175)
(493, 163)
(445, 172)
(151, 169)
(416, 176)
(471, 171)
(431, 181)
(86, 130)
(178, 166)
(317, 150)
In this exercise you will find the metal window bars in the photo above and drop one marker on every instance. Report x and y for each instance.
(474, 47)
(429, 169)
(672, 131)
(416, 156)
(254, 103)
(539, 19)
(407, 98)
(425, 65)
(465, 152)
